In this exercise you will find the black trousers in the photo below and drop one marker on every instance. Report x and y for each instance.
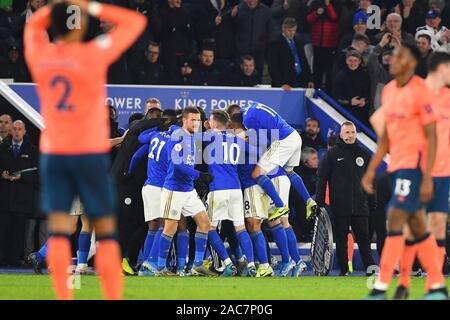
(323, 66)
(377, 225)
(360, 228)
(12, 237)
(131, 224)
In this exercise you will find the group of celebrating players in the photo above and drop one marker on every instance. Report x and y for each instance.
(71, 74)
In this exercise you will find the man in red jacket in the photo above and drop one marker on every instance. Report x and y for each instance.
(325, 36)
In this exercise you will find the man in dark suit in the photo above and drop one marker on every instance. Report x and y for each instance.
(288, 66)
(18, 193)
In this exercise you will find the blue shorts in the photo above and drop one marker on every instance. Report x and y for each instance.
(406, 190)
(441, 195)
(87, 176)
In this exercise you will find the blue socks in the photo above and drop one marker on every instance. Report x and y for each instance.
(164, 246)
(42, 253)
(200, 246)
(279, 235)
(299, 186)
(292, 243)
(259, 243)
(246, 244)
(217, 244)
(182, 249)
(84, 244)
(267, 185)
(153, 256)
(148, 244)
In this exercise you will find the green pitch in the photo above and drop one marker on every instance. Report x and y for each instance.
(39, 287)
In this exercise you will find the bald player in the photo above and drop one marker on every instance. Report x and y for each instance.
(71, 76)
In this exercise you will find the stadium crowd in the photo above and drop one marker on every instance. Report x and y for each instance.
(325, 44)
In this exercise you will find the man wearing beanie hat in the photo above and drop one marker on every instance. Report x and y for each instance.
(359, 23)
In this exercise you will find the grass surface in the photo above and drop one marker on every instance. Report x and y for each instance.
(32, 287)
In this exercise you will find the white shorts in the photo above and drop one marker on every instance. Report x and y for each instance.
(282, 153)
(151, 197)
(77, 208)
(282, 185)
(226, 205)
(256, 203)
(177, 203)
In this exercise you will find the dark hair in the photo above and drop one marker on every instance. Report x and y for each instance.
(361, 37)
(169, 113)
(426, 36)
(353, 53)
(237, 118)
(135, 116)
(191, 109)
(59, 18)
(207, 48)
(246, 57)
(167, 123)
(412, 47)
(313, 119)
(436, 59)
(153, 44)
(289, 22)
(332, 140)
(220, 116)
(231, 107)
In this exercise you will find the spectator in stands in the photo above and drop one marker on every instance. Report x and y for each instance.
(288, 66)
(118, 72)
(446, 16)
(33, 6)
(14, 67)
(5, 128)
(425, 48)
(18, 193)
(311, 136)
(254, 30)
(359, 27)
(307, 170)
(352, 88)
(205, 71)
(214, 28)
(393, 25)
(325, 36)
(342, 167)
(378, 69)
(445, 39)
(347, 13)
(412, 15)
(246, 76)
(360, 43)
(432, 29)
(175, 33)
(282, 9)
(149, 71)
(183, 76)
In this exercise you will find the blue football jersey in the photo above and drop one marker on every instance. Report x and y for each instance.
(246, 166)
(223, 150)
(258, 116)
(181, 154)
(158, 158)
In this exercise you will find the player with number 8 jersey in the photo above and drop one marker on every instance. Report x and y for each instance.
(70, 75)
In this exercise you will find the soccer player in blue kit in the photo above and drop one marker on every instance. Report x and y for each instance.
(225, 201)
(179, 196)
(284, 152)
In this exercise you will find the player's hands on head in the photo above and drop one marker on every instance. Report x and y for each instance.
(426, 190)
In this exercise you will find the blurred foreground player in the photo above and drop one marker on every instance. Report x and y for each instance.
(70, 76)
(409, 134)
